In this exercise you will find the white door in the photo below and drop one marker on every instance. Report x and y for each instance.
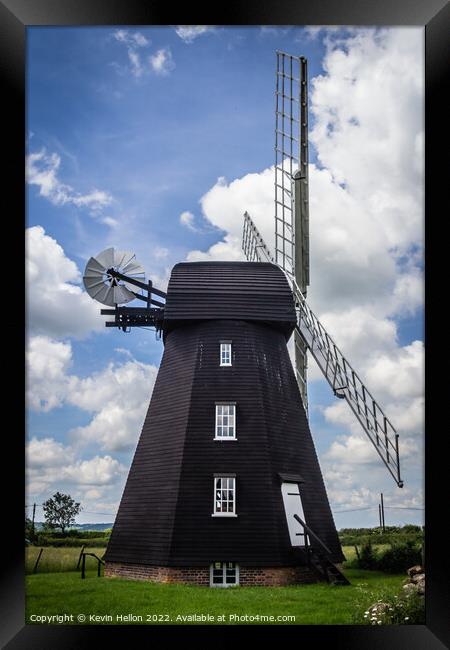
(293, 506)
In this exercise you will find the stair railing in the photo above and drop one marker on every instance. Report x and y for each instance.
(313, 535)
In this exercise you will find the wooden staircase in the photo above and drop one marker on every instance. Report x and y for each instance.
(319, 558)
(326, 568)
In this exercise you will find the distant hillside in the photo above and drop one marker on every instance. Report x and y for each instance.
(94, 526)
(40, 524)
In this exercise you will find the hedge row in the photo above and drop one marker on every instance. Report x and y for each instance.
(381, 538)
(41, 540)
(398, 534)
(75, 532)
(396, 559)
(406, 529)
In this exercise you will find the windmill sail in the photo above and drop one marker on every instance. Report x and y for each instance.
(291, 168)
(291, 186)
(347, 384)
(102, 286)
(253, 245)
(341, 376)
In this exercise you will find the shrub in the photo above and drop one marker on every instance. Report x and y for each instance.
(399, 558)
(396, 559)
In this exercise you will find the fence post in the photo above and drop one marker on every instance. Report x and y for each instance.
(37, 561)
(83, 566)
(81, 553)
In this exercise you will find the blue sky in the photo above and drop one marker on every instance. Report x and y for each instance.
(130, 128)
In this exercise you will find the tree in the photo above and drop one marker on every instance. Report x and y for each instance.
(368, 557)
(60, 511)
(29, 530)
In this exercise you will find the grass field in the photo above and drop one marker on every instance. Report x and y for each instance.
(65, 559)
(50, 594)
(59, 559)
(350, 553)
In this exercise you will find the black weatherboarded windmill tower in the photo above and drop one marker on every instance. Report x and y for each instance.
(225, 486)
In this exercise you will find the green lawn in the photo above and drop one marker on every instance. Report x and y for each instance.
(317, 604)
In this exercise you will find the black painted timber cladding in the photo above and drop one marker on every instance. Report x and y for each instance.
(253, 291)
(164, 516)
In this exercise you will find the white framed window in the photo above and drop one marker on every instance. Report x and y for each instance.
(224, 496)
(225, 353)
(225, 421)
(224, 574)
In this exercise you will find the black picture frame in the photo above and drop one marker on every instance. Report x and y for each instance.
(15, 17)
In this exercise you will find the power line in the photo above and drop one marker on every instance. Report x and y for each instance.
(402, 508)
(336, 512)
(355, 509)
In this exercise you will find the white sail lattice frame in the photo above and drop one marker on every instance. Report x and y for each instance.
(340, 375)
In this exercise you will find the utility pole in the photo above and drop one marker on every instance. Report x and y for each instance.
(379, 517)
(32, 520)
(382, 513)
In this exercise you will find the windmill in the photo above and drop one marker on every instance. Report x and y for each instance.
(225, 487)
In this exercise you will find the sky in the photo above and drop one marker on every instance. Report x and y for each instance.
(157, 140)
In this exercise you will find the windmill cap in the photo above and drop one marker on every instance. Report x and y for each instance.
(250, 291)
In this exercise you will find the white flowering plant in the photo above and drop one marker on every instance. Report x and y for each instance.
(404, 609)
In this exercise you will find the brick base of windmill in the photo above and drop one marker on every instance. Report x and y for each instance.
(248, 576)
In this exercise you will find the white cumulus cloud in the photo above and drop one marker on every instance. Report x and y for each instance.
(100, 470)
(47, 452)
(57, 306)
(52, 466)
(118, 397)
(368, 110)
(399, 374)
(47, 364)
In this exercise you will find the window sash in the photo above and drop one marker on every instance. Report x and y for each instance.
(225, 354)
(224, 495)
(224, 574)
(225, 421)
